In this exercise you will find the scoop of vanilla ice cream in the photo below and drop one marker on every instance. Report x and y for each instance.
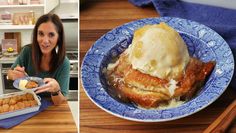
(23, 83)
(158, 50)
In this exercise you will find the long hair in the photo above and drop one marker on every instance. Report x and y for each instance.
(57, 57)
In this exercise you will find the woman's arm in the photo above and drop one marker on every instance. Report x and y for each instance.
(58, 86)
(18, 67)
(52, 86)
(57, 98)
(17, 72)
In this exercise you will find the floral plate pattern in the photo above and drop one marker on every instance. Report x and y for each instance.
(202, 42)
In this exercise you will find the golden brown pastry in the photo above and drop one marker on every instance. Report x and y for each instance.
(31, 84)
(16, 107)
(5, 108)
(27, 103)
(6, 100)
(11, 108)
(18, 98)
(21, 105)
(29, 96)
(1, 109)
(33, 103)
(148, 91)
(15, 103)
(12, 101)
(1, 101)
(23, 97)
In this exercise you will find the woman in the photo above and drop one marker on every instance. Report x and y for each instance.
(45, 58)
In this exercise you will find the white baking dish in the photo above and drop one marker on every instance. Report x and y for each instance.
(231, 4)
(20, 111)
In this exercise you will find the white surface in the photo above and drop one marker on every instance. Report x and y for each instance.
(68, 1)
(20, 6)
(7, 60)
(231, 4)
(50, 5)
(67, 10)
(74, 109)
(16, 27)
(71, 34)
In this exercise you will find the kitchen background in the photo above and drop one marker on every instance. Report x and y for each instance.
(17, 18)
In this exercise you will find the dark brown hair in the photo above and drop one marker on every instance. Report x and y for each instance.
(57, 57)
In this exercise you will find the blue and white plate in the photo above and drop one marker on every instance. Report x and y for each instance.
(37, 79)
(202, 42)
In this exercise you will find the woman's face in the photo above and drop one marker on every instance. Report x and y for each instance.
(47, 37)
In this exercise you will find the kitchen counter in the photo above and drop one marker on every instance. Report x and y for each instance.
(99, 17)
(55, 119)
(7, 60)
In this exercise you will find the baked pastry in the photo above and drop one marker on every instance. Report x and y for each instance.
(150, 81)
(31, 84)
(148, 91)
(14, 103)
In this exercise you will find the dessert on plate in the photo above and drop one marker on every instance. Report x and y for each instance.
(156, 70)
(27, 84)
(31, 84)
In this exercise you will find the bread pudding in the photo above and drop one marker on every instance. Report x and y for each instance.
(28, 84)
(17, 102)
(31, 84)
(157, 68)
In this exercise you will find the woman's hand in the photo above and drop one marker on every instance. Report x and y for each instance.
(51, 85)
(17, 72)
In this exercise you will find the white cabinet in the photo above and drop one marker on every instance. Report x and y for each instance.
(67, 9)
(50, 5)
(44, 7)
(69, 1)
